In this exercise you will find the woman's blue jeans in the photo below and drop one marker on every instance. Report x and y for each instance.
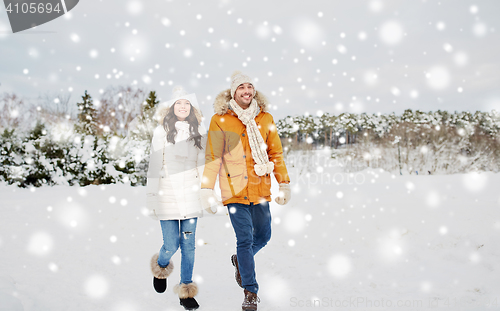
(179, 233)
(252, 226)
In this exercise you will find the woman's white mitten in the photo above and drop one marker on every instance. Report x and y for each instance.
(209, 199)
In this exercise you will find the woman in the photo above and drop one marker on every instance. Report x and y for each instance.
(174, 173)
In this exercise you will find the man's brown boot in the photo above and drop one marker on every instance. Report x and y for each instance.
(237, 275)
(250, 301)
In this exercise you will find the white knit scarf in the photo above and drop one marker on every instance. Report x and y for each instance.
(181, 145)
(257, 145)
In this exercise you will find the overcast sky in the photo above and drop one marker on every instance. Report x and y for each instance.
(307, 56)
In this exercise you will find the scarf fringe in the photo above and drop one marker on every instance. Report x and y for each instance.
(257, 145)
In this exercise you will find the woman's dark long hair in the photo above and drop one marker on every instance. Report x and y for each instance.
(169, 126)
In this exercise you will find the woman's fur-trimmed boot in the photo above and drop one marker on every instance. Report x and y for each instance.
(160, 274)
(186, 294)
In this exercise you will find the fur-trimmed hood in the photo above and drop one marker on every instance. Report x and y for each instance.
(221, 103)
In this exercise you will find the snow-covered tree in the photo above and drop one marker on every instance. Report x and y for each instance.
(142, 127)
(86, 121)
(14, 113)
(11, 156)
(118, 107)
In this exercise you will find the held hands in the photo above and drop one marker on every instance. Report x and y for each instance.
(284, 195)
(209, 199)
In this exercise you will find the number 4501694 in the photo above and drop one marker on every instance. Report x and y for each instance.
(33, 8)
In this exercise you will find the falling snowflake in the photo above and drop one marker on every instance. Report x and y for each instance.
(391, 32)
(96, 286)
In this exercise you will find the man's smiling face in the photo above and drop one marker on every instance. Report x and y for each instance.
(244, 95)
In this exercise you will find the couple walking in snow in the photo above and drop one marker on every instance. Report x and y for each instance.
(242, 148)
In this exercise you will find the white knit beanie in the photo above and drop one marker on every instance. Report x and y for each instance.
(178, 92)
(237, 79)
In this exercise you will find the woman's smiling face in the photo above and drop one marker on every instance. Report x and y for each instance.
(182, 108)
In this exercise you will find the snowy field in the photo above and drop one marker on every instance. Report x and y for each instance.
(371, 240)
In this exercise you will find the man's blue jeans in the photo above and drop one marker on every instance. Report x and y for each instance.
(252, 226)
(179, 233)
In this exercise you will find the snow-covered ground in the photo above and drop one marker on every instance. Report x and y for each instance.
(370, 240)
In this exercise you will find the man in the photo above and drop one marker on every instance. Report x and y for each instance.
(243, 149)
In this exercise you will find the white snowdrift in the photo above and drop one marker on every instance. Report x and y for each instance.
(366, 241)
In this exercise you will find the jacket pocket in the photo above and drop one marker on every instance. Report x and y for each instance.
(233, 181)
(152, 205)
(265, 185)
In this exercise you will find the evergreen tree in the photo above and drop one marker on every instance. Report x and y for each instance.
(11, 157)
(87, 124)
(150, 105)
(143, 126)
(133, 163)
(325, 128)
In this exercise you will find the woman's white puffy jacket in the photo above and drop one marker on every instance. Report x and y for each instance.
(173, 179)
